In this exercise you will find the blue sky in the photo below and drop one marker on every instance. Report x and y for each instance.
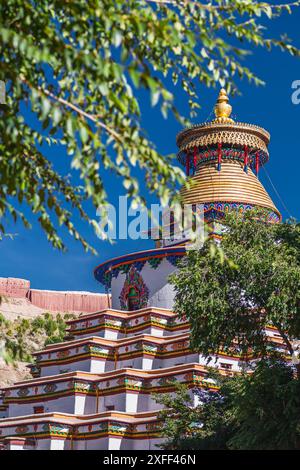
(30, 256)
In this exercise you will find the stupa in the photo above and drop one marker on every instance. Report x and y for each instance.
(95, 390)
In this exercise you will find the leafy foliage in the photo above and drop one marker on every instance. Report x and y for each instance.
(186, 426)
(266, 406)
(75, 68)
(230, 308)
(260, 411)
(19, 338)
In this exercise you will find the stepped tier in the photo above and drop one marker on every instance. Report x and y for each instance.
(119, 324)
(128, 390)
(96, 355)
(144, 364)
(63, 431)
(113, 324)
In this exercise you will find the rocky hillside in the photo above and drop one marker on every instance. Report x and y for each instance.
(27, 326)
(14, 307)
(20, 337)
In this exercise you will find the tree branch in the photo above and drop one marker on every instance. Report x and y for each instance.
(220, 7)
(285, 338)
(77, 110)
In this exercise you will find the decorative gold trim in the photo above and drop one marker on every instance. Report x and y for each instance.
(215, 132)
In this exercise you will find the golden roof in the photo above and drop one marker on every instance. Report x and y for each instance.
(227, 181)
(223, 130)
(231, 184)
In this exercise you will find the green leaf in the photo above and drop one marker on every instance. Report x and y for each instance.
(83, 134)
(117, 38)
(46, 106)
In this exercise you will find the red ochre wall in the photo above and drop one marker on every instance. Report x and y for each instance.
(13, 287)
(53, 300)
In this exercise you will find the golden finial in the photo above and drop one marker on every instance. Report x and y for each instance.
(223, 108)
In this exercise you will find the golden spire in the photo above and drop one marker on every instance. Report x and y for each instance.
(223, 108)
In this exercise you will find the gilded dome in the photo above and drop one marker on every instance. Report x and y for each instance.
(231, 184)
(223, 159)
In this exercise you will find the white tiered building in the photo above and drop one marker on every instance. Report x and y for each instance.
(95, 390)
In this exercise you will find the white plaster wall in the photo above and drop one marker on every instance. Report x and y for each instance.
(106, 333)
(128, 402)
(57, 369)
(87, 365)
(114, 443)
(102, 443)
(116, 400)
(43, 444)
(99, 366)
(140, 444)
(114, 334)
(22, 446)
(117, 443)
(111, 334)
(174, 361)
(16, 447)
(131, 402)
(52, 444)
(141, 402)
(144, 444)
(81, 445)
(125, 401)
(152, 362)
(65, 404)
(93, 444)
(217, 362)
(147, 402)
(144, 363)
(79, 404)
(89, 405)
(58, 444)
(161, 294)
(79, 408)
(157, 332)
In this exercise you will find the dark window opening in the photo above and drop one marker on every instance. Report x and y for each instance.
(226, 366)
(110, 407)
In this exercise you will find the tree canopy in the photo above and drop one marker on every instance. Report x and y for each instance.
(75, 68)
(233, 291)
(231, 304)
(258, 411)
